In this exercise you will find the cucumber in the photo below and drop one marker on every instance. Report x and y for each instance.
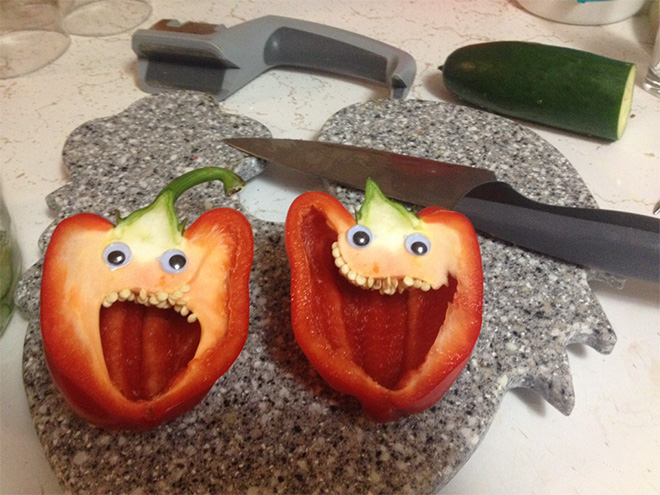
(560, 87)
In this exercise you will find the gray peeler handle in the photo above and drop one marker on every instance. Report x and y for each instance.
(220, 60)
(296, 43)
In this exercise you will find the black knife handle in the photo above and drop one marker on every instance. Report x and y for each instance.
(612, 241)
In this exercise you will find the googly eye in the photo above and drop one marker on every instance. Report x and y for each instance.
(173, 261)
(116, 255)
(417, 244)
(359, 236)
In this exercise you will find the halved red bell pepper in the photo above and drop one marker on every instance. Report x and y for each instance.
(386, 306)
(140, 319)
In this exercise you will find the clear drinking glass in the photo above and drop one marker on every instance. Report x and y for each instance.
(10, 265)
(103, 17)
(31, 36)
(652, 82)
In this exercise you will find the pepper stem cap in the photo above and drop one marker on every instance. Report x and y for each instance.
(163, 205)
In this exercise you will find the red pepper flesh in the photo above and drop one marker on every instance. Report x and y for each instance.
(397, 353)
(124, 361)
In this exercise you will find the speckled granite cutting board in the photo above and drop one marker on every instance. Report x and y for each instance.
(271, 425)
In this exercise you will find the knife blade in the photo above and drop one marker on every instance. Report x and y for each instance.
(615, 242)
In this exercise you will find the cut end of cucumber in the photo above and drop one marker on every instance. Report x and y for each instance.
(626, 102)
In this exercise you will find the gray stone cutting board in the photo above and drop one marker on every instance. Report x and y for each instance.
(271, 425)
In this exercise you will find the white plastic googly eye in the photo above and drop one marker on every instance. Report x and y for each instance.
(117, 255)
(418, 244)
(359, 236)
(173, 261)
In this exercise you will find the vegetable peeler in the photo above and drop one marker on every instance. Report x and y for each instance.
(219, 60)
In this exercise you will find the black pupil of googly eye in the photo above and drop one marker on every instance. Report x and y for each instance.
(361, 238)
(116, 257)
(177, 261)
(419, 248)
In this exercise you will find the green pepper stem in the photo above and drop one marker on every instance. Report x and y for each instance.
(232, 182)
(170, 193)
(377, 206)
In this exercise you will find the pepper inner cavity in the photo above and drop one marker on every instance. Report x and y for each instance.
(148, 339)
(390, 336)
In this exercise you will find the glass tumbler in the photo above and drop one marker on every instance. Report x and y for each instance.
(31, 36)
(652, 81)
(10, 266)
(103, 17)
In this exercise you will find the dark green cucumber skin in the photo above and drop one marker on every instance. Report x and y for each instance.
(560, 87)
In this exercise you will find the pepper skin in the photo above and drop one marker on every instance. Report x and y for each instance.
(390, 316)
(140, 319)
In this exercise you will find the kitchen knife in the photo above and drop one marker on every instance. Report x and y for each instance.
(611, 241)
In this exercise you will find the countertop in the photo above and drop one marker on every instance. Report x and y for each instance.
(611, 441)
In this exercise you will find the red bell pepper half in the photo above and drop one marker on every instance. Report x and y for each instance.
(387, 306)
(140, 319)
